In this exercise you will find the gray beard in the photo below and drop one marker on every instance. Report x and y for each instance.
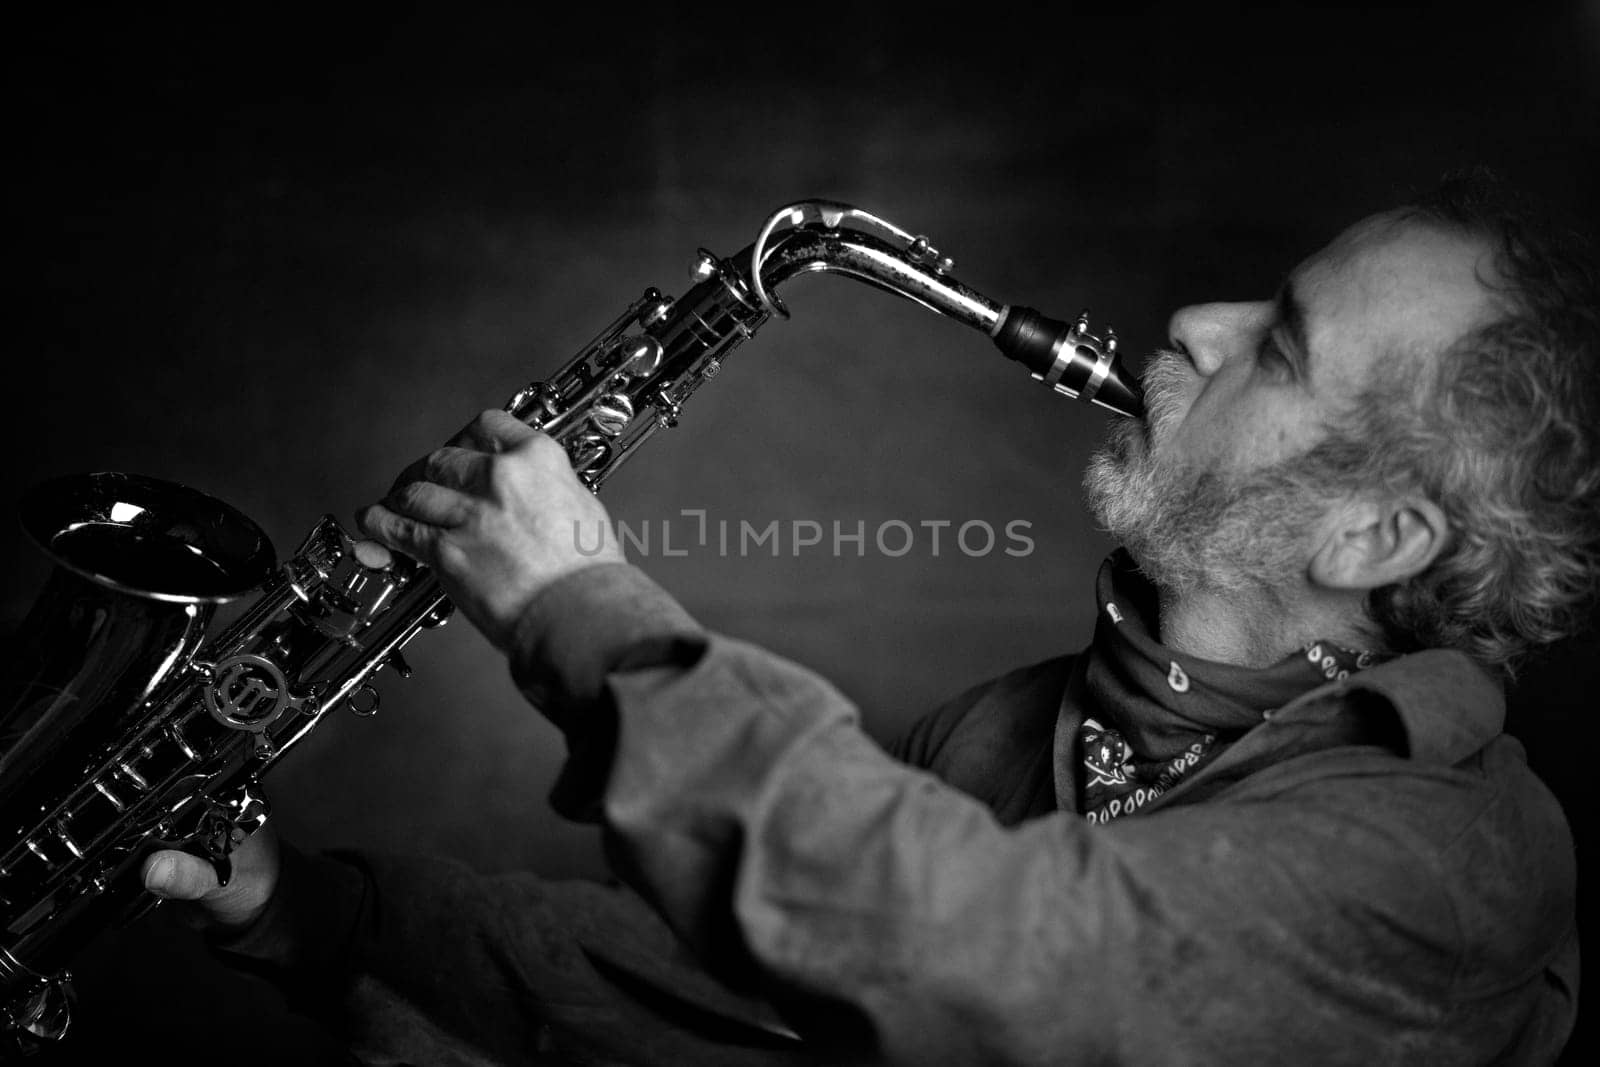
(1239, 535)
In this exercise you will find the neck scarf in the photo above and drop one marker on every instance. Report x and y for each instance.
(1156, 715)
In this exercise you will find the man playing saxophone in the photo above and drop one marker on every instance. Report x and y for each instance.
(1268, 815)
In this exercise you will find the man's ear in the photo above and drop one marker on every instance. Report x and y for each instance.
(1372, 543)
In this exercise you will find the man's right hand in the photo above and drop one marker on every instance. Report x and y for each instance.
(181, 876)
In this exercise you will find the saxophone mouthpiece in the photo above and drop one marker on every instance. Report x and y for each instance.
(1069, 359)
(1120, 392)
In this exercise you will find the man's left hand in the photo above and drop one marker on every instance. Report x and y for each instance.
(499, 514)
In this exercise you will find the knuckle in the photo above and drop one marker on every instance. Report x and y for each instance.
(409, 495)
(436, 463)
(474, 433)
(483, 424)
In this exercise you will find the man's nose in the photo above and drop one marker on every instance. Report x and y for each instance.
(1212, 334)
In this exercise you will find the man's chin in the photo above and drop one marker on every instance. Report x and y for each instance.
(1117, 485)
(1127, 441)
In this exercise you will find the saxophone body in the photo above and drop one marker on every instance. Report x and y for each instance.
(124, 729)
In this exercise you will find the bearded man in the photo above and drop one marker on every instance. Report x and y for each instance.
(1268, 816)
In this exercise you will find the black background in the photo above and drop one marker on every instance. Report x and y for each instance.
(277, 255)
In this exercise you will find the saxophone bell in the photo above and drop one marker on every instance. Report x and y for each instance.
(140, 566)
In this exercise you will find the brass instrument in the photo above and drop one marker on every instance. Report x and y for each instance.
(123, 730)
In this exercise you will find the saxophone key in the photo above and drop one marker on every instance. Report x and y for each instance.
(521, 397)
(67, 842)
(641, 355)
(138, 780)
(364, 700)
(112, 798)
(656, 308)
(611, 414)
(156, 760)
(397, 663)
(705, 267)
(176, 736)
(667, 408)
(587, 451)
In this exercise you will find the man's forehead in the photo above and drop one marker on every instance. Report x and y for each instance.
(1394, 247)
(1392, 282)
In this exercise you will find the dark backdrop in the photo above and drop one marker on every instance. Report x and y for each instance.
(276, 257)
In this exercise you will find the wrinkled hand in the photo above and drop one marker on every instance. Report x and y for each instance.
(499, 514)
(179, 876)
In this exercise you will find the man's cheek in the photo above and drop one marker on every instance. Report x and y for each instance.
(1257, 444)
(1163, 428)
(1167, 410)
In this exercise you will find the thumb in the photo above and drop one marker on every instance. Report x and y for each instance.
(178, 876)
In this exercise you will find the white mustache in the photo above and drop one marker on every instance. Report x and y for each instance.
(1163, 380)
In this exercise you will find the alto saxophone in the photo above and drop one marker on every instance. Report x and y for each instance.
(124, 730)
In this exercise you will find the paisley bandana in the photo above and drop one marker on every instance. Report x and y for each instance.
(1158, 714)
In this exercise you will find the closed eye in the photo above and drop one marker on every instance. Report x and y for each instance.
(1283, 345)
(1271, 357)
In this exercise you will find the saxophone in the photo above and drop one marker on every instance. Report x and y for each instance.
(124, 730)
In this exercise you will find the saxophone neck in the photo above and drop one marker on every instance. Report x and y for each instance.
(823, 236)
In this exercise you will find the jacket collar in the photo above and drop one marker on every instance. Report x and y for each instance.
(1448, 706)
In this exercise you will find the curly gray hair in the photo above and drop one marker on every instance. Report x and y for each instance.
(1503, 433)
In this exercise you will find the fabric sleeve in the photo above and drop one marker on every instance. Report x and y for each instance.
(876, 902)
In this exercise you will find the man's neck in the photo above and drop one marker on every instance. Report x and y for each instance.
(1249, 631)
